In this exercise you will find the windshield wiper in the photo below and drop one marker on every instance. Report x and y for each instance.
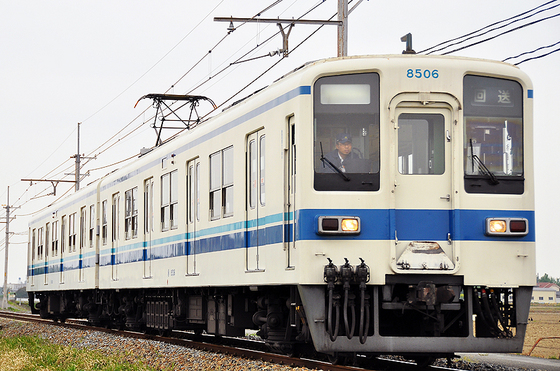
(481, 167)
(333, 166)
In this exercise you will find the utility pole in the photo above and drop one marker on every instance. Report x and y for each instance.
(342, 23)
(343, 28)
(7, 243)
(77, 165)
(78, 157)
(77, 175)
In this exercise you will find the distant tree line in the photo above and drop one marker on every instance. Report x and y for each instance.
(546, 278)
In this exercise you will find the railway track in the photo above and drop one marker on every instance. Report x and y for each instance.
(234, 347)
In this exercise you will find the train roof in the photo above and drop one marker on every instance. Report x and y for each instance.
(301, 74)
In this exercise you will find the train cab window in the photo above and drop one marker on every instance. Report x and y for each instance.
(493, 135)
(346, 132)
(221, 183)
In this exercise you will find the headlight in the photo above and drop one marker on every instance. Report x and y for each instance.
(497, 226)
(507, 226)
(340, 225)
(349, 225)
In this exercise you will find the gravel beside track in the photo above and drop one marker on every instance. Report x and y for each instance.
(163, 356)
(154, 353)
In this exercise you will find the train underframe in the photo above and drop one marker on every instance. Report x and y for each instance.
(417, 316)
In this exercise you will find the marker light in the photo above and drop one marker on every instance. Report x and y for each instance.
(338, 225)
(507, 226)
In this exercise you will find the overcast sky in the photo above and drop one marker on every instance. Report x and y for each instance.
(64, 62)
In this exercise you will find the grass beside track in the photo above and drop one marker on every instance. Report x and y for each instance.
(30, 353)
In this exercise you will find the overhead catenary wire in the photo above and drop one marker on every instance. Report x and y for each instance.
(501, 34)
(537, 57)
(263, 73)
(139, 126)
(170, 88)
(126, 89)
(485, 27)
(532, 51)
(106, 143)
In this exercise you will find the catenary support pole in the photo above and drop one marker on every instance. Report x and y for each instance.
(7, 242)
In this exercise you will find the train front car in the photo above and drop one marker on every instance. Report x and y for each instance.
(415, 206)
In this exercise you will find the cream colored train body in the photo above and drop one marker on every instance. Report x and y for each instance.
(420, 242)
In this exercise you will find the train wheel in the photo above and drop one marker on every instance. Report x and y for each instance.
(424, 361)
(334, 359)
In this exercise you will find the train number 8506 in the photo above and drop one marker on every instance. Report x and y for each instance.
(419, 73)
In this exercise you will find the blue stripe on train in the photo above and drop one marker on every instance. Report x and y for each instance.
(377, 224)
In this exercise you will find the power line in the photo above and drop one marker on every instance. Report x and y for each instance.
(106, 143)
(503, 33)
(485, 27)
(537, 57)
(158, 62)
(532, 51)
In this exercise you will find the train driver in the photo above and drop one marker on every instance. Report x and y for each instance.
(342, 157)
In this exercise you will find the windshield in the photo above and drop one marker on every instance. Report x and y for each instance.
(346, 133)
(493, 133)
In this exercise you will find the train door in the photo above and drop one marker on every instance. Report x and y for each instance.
(63, 226)
(289, 191)
(255, 198)
(193, 214)
(148, 225)
(46, 252)
(31, 258)
(423, 189)
(83, 218)
(115, 212)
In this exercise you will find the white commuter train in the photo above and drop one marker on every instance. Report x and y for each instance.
(422, 243)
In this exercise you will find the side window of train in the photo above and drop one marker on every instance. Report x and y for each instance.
(54, 240)
(72, 233)
(33, 244)
(83, 227)
(169, 200)
(262, 193)
(91, 225)
(346, 132)
(257, 172)
(193, 191)
(221, 183)
(40, 244)
(131, 213)
(104, 222)
(63, 227)
(493, 135)
(46, 241)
